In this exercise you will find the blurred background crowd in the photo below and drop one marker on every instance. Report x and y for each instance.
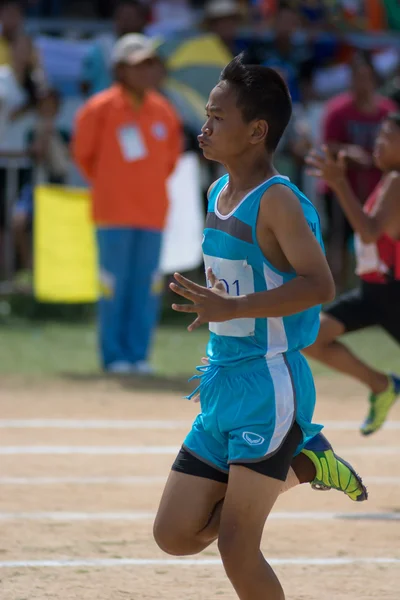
(340, 59)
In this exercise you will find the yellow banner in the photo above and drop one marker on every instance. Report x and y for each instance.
(65, 256)
(65, 268)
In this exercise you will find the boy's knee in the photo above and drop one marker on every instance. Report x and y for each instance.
(175, 542)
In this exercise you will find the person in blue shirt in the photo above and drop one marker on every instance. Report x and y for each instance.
(266, 278)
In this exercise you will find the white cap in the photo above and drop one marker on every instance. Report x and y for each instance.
(132, 49)
(217, 9)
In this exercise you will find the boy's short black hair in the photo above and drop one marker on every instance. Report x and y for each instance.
(261, 94)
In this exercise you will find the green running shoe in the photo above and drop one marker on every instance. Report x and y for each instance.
(380, 405)
(332, 472)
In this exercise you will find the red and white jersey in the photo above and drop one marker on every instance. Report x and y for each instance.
(375, 261)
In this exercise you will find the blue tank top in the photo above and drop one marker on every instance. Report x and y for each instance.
(230, 247)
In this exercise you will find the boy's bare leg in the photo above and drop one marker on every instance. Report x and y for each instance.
(249, 499)
(188, 517)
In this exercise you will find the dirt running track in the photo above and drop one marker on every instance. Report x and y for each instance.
(82, 466)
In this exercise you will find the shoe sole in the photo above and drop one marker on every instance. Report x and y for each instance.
(364, 495)
(321, 487)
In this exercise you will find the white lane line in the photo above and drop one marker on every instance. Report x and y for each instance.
(90, 424)
(67, 517)
(370, 450)
(190, 562)
(355, 425)
(136, 480)
(382, 480)
(89, 450)
(130, 480)
(147, 424)
(159, 450)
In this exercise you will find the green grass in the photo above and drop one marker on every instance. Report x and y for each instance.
(55, 348)
(47, 348)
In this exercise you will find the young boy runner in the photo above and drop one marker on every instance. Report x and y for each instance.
(266, 278)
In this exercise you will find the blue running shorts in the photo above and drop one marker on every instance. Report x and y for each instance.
(248, 410)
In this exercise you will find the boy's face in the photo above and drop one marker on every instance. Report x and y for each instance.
(387, 147)
(225, 135)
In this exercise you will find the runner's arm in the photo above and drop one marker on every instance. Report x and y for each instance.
(281, 213)
(369, 227)
(385, 220)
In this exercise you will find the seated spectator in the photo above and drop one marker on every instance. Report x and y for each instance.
(48, 147)
(130, 16)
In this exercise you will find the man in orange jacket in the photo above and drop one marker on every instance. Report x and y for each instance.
(127, 142)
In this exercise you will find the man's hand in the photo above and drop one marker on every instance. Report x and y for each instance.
(325, 167)
(212, 305)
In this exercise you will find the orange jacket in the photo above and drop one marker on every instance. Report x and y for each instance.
(127, 155)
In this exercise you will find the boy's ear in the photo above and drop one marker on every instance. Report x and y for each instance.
(259, 132)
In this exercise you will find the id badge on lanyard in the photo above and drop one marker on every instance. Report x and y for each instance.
(132, 143)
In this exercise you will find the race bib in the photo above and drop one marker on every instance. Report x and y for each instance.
(132, 143)
(238, 279)
(368, 259)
